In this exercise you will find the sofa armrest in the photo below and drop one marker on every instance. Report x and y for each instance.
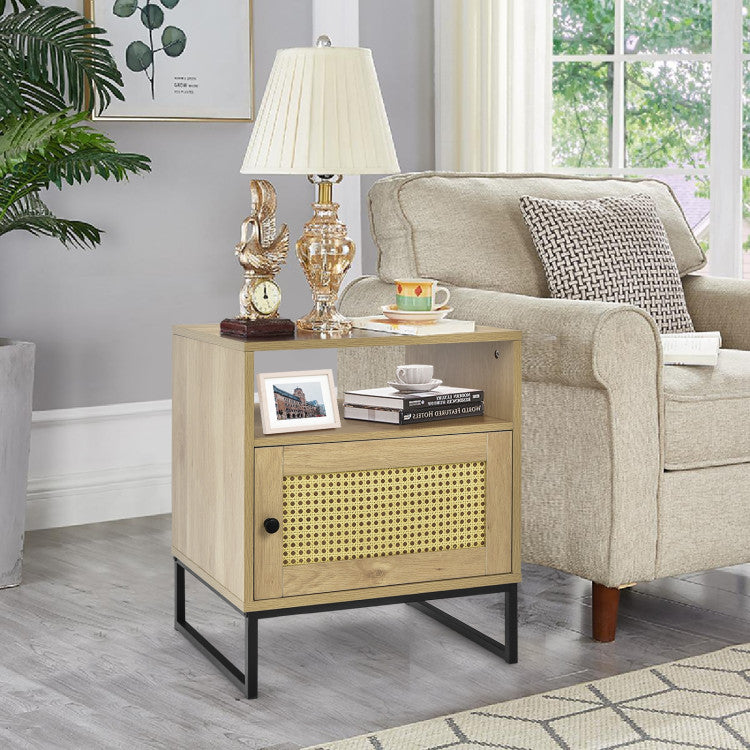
(718, 304)
(568, 342)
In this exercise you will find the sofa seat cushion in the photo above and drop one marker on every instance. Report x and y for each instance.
(467, 229)
(707, 413)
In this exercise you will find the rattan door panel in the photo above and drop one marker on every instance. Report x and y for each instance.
(359, 516)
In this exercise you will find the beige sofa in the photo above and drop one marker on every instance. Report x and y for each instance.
(631, 470)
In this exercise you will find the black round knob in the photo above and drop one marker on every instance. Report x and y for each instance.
(271, 525)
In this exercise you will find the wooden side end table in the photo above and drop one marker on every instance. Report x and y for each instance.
(363, 515)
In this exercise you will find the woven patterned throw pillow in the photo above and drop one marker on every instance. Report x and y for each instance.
(609, 250)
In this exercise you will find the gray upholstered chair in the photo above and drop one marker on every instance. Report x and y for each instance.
(631, 471)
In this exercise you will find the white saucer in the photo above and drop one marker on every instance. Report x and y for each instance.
(415, 316)
(415, 387)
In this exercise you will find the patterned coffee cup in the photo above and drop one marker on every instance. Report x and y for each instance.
(420, 294)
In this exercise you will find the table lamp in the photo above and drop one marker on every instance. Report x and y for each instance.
(322, 115)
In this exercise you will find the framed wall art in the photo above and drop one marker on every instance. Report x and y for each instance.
(180, 60)
(295, 401)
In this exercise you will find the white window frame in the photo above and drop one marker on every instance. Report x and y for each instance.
(725, 171)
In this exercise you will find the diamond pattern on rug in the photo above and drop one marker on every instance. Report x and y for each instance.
(702, 702)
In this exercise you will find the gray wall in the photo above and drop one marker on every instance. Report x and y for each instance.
(400, 35)
(102, 319)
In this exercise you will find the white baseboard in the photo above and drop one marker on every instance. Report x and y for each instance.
(99, 464)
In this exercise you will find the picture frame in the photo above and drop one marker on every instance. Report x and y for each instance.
(297, 401)
(165, 57)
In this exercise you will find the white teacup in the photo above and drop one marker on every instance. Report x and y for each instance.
(414, 374)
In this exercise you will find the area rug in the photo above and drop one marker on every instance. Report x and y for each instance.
(701, 702)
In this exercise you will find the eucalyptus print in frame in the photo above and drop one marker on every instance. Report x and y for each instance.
(140, 56)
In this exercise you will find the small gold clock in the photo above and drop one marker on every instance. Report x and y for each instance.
(266, 297)
(261, 252)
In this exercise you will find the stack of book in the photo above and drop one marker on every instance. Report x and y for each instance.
(390, 405)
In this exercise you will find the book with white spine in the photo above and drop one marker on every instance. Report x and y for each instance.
(383, 325)
(432, 413)
(698, 348)
(390, 398)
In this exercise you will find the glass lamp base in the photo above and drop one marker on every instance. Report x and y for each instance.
(324, 318)
(325, 253)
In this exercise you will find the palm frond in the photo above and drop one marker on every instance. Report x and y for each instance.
(30, 133)
(11, 98)
(30, 214)
(51, 60)
(58, 47)
(16, 5)
(73, 155)
(40, 96)
(84, 162)
(79, 154)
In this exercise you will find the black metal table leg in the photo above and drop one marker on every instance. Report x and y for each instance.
(179, 594)
(511, 624)
(247, 680)
(507, 650)
(251, 655)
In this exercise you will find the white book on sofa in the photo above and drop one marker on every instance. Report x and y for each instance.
(699, 348)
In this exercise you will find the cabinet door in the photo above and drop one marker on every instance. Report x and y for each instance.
(366, 514)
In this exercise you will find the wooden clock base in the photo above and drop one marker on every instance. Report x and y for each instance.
(243, 328)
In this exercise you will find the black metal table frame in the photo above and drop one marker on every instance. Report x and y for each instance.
(247, 680)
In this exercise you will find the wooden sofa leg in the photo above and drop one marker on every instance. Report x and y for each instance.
(604, 612)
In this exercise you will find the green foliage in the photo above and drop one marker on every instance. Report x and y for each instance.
(668, 114)
(667, 104)
(152, 16)
(48, 52)
(40, 154)
(16, 5)
(173, 40)
(139, 56)
(582, 27)
(125, 8)
(32, 215)
(29, 135)
(668, 27)
(582, 114)
(53, 66)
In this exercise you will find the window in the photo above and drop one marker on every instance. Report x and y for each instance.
(657, 88)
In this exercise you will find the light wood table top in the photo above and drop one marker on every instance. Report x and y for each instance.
(357, 337)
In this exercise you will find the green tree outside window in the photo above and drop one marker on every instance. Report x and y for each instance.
(667, 105)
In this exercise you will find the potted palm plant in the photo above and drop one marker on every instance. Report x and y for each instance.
(55, 68)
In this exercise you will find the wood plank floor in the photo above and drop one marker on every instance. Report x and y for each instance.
(90, 658)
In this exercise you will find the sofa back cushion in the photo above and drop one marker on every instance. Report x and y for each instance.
(467, 229)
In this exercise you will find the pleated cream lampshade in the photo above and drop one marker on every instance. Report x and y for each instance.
(322, 114)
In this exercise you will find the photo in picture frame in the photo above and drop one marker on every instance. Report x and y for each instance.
(180, 60)
(297, 401)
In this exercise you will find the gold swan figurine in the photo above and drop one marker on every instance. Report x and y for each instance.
(260, 251)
